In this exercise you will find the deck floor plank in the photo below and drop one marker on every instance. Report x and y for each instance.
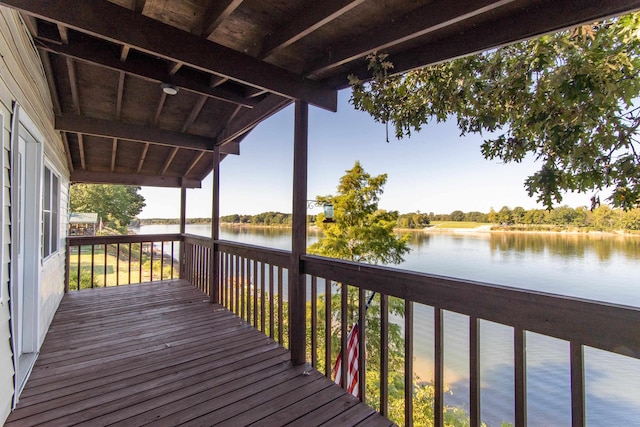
(160, 353)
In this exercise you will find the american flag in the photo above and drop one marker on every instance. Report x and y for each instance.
(352, 362)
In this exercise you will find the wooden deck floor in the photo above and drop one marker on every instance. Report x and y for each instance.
(160, 354)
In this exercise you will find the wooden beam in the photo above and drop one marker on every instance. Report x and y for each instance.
(124, 52)
(67, 150)
(73, 83)
(101, 54)
(168, 160)
(131, 132)
(195, 111)
(64, 34)
(214, 264)
(53, 89)
(119, 25)
(194, 162)
(143, 156)
(315, 15)
(114, 150)
(215, 15)
(542, 17)
(138, 5)
(434, 16)
(92, 177)
(250, 119)
(81, 148)
(159, 107)
(121, 78)
(174, 67)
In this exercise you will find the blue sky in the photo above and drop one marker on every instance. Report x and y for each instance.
(435, 170)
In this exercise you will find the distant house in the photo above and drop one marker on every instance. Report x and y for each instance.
(83, 223)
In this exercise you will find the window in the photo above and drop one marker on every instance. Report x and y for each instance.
(50, 212)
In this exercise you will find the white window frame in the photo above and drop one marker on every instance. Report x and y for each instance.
(50, 208)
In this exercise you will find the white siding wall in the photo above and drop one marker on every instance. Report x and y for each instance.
(22, 80)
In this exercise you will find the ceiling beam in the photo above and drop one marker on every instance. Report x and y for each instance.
(120, 25)
(131, 132)
(67, 151)
(143, 156)
(194, 162)
(195, 111)
(168, 160)
(103, 55)
(95, 177)
(216, 13)
(245, 122)
(83, 164)
(114, 150)
(73, 83)
(156, 117)
(315, 15)
(138, 5)
(542, 17)
(121, 78)
(432, 17)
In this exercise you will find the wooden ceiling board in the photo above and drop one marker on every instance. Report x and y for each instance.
(97, 152)
(98, 90)
(176, 110)
(140, 100)
(183, 14)
(59, 66)
(128, 155)
(211, 118)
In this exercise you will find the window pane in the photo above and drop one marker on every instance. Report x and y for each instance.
(55, 211)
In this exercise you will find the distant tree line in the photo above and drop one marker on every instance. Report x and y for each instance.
(602, 218)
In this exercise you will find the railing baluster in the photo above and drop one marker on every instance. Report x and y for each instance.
(93, 253)
(327, 328)
(118, 264)
(262, 299)
(314, 321)
(520, 383)
(162, 260)
(280, 308)
(104, 270)
(384, 354)
(344, 363)
(271, 308)
(140, 264)
(408, 363)
(79, 265)
(438, 381)
(151, 250)
(255, 294)
(237, 284)
(129, 267)
(243, 293)
(578, 418)
(362, 345)
(172, 259)
(474, 372)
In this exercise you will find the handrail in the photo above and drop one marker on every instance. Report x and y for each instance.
(564, 317)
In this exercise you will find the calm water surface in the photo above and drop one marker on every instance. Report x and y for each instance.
(604, 268)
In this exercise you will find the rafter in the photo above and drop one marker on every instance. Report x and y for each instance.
(143, 156)
(218, 11)
(119, 95)
(156, 117)
(316, 14)
(542, 17)
(64, 34)
(124, 52)
(195, 111)
(147, 35)
(131, 132)
(245, 122)
(97, 177)
(83, 165)
(101, 54)
(138, 5)
(432, 17)
(194, 162)
(168, 160)
(114, 150)
(67, 150)
(73, 83)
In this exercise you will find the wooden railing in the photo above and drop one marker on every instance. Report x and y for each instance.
(253, 282)
(252, 285)
(99, 261)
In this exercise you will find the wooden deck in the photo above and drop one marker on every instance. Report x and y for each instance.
(160, 354)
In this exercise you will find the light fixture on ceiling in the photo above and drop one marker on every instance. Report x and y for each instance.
(169, 89)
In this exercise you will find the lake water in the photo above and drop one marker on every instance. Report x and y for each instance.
(597, 267)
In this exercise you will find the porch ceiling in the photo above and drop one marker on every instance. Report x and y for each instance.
(238, 62)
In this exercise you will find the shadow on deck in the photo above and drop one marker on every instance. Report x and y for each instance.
(160, 353)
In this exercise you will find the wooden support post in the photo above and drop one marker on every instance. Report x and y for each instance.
(183, 221)
(297, 285)
(215, 229)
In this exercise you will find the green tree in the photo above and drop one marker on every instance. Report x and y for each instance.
(361, 232)
(117, 205)
(566, 99)
(504, 216)
(457, 216)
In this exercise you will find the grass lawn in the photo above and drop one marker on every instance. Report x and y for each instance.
(123, 270)
(457, 224)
